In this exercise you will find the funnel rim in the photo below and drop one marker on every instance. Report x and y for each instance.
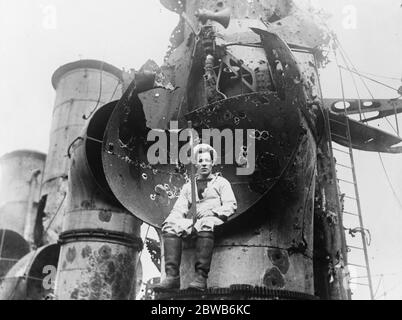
(84, 64)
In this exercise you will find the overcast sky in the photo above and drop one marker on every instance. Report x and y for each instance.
(38, 36)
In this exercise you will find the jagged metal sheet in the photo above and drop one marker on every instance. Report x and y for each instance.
(285, 72)
(150, 191)
(363, 137)
(288, 79)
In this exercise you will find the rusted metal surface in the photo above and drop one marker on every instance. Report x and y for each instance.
(289, 82)
(302, 28)
(240, 8)
(183, 62)
(330, 259)
(81, 86)
(285, 73)
(294, 21)
(22, 173)
(32, 278)
(138, 180)
(306, 61)
(92, 270)
(330, 252)
(363, 137)
(100, 240)
(128, 161)
(271, 245)
(12, 248)
(260, 86)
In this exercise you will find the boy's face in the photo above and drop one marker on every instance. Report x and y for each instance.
(204, 164)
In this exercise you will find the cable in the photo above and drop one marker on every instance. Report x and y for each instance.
(341, 79)
(378, 286)
(371, 79)
(218, 80)
(57, 211)
(355, 84)
(377, 275)
(71, 144)
(343, 51)
(386, 292)
(344, 54)
(85, 117)
(379, 154)
(385, 171)
(346, 58)
(378, 76)
(369, 91)
(361, 78)
(362, 230)
(115, 89)
(389, 182)
(358, 95)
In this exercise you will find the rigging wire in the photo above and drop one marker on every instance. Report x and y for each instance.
(379, 76)
(86, 117)
(387, 291)
(389, 181)
(371, 79)
(346, 58)
(57, 211)
(344, 54)
(356, 87)
(378, 286)
(362, 230)
(379, 154)
(364, 83)
(115, 89)
(377, 275)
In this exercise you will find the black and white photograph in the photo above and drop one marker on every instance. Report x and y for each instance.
(200, 152)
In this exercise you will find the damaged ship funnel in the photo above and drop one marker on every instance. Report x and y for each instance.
(19, 199)
(19, 190)
(81, 86)
(100, 239)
